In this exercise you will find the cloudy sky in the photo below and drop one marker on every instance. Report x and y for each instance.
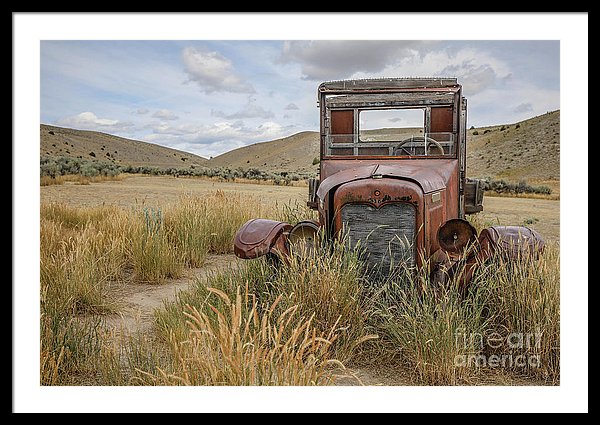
(208, 97)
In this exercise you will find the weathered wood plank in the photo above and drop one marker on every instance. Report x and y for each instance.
(387, 84)
(390, 100)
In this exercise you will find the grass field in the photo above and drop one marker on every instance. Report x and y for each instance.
(139, 287)
(153, 191)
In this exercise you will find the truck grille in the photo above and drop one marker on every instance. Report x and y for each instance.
(386, 234)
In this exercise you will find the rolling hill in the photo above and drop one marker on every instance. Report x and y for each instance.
(293, 154)
(527, 150)
(59, 141)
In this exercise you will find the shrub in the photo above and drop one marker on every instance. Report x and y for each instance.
(502, 186)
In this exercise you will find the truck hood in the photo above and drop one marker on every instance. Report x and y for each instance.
(430, 179)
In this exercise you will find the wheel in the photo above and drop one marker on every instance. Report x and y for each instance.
(417, 139)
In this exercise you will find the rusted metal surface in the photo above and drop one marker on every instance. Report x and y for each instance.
(342, 122)
(512, 241)
(401, 201)
(382, 200)
(456, 235)
(258, 237)
(303, 238)
(430, 174)
(441, 120)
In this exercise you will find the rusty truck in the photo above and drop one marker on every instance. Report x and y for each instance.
(392, 180)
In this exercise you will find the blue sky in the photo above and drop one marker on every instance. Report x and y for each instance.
(209, 96)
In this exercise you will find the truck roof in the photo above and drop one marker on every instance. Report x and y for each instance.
(388, 84)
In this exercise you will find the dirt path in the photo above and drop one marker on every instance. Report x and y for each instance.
(372, 375)
(140, 300)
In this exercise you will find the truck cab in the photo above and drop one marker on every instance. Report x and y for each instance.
(392, 165)
(391, 177)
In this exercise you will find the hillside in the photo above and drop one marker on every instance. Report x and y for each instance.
(529, 150)
(293, 154)
(59, 141)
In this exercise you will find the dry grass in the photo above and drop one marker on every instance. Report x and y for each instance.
(523, 298)
(85, 251)
(78, 179)
(241, 343)
(552, 196)
(447, 338)
(317, 308)
(324, 288)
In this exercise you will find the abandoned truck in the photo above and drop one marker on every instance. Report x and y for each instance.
(393, 181)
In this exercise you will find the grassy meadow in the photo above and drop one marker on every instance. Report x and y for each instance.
(301, 323)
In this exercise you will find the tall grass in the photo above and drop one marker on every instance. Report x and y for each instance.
(81, 255)
(419, 323)
(329, 283)
(447, 338)
(209, 223)
(244, 344)
(264, 323)
(84, 252)
(154, 257)
(322, 292)
(523, 299)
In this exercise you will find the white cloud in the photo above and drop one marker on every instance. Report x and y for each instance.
(337, 59)
(291, 107)
(89, 121)
(475, 69)
(213, 72)
(497, 105)
(251, 110)
(523, 107)
(142, 111)
(214, 139)
(165, 114)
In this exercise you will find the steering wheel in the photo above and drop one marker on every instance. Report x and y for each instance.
(417, 139)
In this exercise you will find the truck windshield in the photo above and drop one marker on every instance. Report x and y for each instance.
(391, 132)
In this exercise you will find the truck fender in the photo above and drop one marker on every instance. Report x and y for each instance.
(510, 242)
(258, 237)
(513, 242)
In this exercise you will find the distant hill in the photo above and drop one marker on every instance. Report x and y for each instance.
(529, 149)
(59, 141)
(293, 154)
